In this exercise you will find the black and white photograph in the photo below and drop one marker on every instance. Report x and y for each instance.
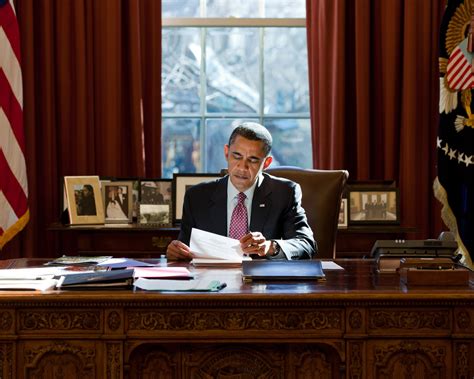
(117, 202)
(155, 191)
(155, 202)
(155, 214)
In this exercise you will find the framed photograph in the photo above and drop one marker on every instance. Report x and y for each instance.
(118, 202)
(155, 202)
(342, 220)
(84, 200)
(374, 205)
(181, 183)
(135, 181)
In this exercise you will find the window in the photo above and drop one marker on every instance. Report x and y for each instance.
(223, 62)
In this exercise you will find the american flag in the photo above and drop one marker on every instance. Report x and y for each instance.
(14, 213)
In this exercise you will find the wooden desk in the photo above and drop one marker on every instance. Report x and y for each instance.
(357, 324)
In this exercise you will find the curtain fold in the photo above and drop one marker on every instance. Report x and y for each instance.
(86, 81)
(373, 96)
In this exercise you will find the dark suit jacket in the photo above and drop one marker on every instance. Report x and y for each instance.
(276, 213)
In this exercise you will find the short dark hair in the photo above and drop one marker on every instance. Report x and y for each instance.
(88, 187)
(254, 132)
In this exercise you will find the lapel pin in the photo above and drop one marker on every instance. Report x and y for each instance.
(262, 205)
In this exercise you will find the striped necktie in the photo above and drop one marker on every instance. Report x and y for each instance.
(239, 220)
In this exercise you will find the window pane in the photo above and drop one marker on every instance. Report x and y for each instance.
(181, 57)
(232, 70)
(286, 71)
(291, 142)
(180, 146)
(217, 135)
(227, 8)
(285, 9)
(179, 8)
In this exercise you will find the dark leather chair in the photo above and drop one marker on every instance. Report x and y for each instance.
(322, 193)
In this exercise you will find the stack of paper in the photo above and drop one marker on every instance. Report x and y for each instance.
(41, 278)
(27, 284)
(162, 272)
(211, 249)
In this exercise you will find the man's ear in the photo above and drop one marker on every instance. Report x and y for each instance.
(268, 160)
(226, 152)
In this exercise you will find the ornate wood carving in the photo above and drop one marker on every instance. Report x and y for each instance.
(6, 361)
(356, 365)
(247, 320)
(59, 361)
(234, 362)
(463, 319)
(355, 319)
(410, 359)
(151, 361)
(462, 353)
(114, 320)
(114, 360)
(314, 361)
(403, 319)
(59, 320)
(6, 320)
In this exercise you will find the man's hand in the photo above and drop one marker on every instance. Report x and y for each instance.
(255, 243)
(177, 250)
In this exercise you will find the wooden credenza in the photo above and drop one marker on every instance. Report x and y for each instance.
(131, 240)
(149, 242)
(356, 324)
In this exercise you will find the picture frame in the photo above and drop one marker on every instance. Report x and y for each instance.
(343, 215)
(84, 200)
(118, 202)
(181, 183)
(155, 205)
(374, 205)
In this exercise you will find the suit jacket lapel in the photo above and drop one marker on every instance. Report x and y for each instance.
(218, 207)
(261, 204)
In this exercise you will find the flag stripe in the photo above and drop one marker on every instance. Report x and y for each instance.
(9, 25)
(464, 77)
(11, 188)
(11, 66)
(457, 67)
(12, 153)
(15, 114)
(8, 216)
(458, 70)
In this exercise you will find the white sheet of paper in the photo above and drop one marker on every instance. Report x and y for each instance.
(210, 245)
(330, 265)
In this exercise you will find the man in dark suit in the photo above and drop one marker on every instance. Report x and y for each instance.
(278, 228)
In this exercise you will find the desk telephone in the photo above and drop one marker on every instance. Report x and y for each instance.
(388, 253)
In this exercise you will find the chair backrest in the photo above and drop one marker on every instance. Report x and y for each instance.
(322, 193)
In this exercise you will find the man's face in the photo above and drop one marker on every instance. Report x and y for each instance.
(245, 161)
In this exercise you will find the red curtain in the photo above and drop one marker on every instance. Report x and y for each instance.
(92, 93)
(374, 96)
